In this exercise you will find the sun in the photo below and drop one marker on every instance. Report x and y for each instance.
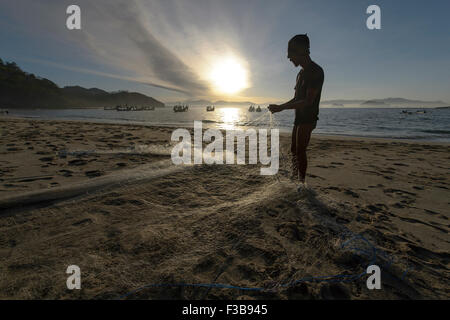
(229, 76)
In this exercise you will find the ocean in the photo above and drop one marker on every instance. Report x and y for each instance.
(433, 125)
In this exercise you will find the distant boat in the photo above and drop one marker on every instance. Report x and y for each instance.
(180, 108)
(210, 108)
(130, 108)
(122, 108)
(417, 112)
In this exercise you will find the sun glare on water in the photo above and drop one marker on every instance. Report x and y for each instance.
(229, 76)
(230, 116)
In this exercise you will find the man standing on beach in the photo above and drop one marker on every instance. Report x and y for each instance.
(305, 102)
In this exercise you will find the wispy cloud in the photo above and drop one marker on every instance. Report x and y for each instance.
(132, 46)
(114, 35)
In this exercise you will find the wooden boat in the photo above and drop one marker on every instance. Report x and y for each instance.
(180, 108)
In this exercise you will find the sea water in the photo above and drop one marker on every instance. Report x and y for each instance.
(434, 125)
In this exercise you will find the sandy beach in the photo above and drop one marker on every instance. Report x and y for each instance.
(106, 197)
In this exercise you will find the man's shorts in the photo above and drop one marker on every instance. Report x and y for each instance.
(301, 135)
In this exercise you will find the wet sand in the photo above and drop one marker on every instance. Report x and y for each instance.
(107, 198)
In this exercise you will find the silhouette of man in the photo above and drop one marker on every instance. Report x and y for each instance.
(305, 103)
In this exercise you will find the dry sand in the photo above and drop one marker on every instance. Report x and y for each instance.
(118, 208)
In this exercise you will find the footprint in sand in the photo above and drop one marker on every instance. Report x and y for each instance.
(272, 213)
(403, 193)
(66, 173)
(46, 159)
(94, 173)
(291, 231)
(205, 264)
(315, 177)
(377, 186)
(77, 162)
(351, 193)
(84, 221)
(378, 207)
(43, 153)
(333, 188)
(115, 202)
(334, 291)
(400, 164)
(431, 212)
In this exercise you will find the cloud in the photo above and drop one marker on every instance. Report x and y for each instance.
(114, 36)
(134, 47)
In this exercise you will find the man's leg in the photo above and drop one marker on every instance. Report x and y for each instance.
(303, 137)
(294, 153)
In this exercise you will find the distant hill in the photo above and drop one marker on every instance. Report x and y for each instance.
(19, 89)
(94, 98)
(246, 103)
(374, 103)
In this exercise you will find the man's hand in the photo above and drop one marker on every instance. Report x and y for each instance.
(275, 108)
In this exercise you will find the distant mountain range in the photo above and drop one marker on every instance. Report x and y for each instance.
(19, 89)
(387, 102)
(219, 102)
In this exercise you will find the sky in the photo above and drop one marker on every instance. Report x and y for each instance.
(178, 50)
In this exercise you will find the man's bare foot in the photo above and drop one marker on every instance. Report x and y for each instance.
(302, 188)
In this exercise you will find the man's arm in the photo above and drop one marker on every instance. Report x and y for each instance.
(290, 101)
(311, 94)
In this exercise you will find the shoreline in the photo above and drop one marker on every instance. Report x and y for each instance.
(284, 133)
